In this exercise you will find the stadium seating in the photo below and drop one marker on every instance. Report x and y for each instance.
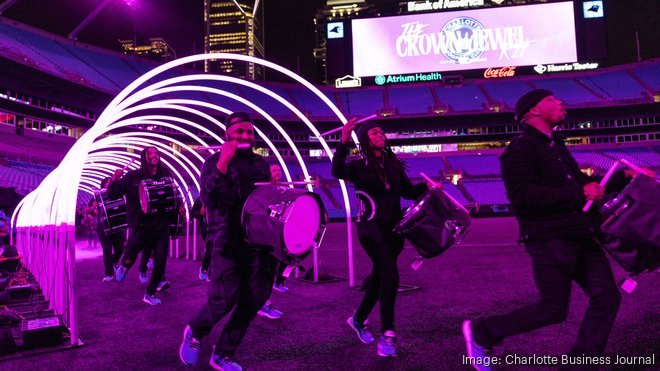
(487, 192)
(476, 165)
(617, 85)
(411, 100)
(363, 102)
(467, 98)
(568, 90)
(587, 158)
(650, 74)
(506, 91)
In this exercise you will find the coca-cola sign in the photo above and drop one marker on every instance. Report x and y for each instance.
(491, 73)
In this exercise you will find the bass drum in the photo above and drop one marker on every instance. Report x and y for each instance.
(434, 223)
(159, 196)
(288, 221)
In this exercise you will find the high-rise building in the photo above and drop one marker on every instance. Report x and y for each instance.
(155, 48)
(234, 26)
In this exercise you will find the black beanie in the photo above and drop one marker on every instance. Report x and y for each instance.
(364, 127)
(242, 115)
(529, 101)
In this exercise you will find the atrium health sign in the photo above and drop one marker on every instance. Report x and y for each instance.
(465, 40)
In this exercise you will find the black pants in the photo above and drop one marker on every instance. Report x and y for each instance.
(112, 246)
(383, 247)
(279, 274)
(158, 242)
(243, 281)
(144, 259)
(556, 263)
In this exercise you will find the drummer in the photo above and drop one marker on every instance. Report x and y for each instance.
(275, 177)
(112, 244)
(144, 230)
(241, 277)
(380, 180)
(548, 191)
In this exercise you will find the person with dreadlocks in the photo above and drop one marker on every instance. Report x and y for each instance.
(145, 230)
(380, 182)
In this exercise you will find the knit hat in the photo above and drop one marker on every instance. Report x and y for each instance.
(529, 101)
(364, 127)
(240, 115)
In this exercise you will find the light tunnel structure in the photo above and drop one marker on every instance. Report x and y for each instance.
(45, 218)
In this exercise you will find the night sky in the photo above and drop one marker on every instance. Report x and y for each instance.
(289, 26)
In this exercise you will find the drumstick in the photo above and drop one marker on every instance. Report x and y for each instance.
(357, 122)
(127, 165)
(632, 166)
(604, 181)
(283, 183)
(446, 194)
(241, 145)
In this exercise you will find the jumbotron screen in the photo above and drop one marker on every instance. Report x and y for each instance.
(464, 40)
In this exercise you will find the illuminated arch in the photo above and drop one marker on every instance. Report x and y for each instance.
(45, 217)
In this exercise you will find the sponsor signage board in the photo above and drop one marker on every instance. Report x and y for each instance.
(348, 81)
(466, 40)
(424, 6)
(566, 67)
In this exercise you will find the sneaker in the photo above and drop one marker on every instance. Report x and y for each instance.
(479, 357)
(387, 344)
(144, 277)
(280, 287)
(268, 311)
(224, 363)
(361, 329)
(203, 275)
(163, 285)
(189, 349)
(151, 300)
(108, 278)
(120, 273)
(150, 264)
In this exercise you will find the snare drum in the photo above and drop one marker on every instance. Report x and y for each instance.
(289, 221)
(434, 223)
(631, 226)
(112, 213)
(159, 196)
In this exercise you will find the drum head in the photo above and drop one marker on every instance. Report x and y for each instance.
(303, 224)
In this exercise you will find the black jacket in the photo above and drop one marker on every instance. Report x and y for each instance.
(224, 195)
(196, 213)
(387, 201)
(128, 186)
(545, 186)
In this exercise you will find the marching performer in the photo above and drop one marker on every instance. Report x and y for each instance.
(275, 176)
(145, 230)
(198, 212)
(380, 181)
(112, 244)
(548, 191)
(241, 276)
